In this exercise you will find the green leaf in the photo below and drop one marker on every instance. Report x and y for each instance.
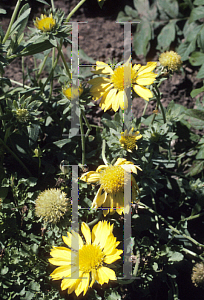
(196, 58)
(113, 296)
(43, 1)
(185, 49)
(130, 11)
(195, 113)
(21, 20)
(198, 2)
(200, 154)
(166, 36)
(200, 73)
(2, 11)
(170, 7)
(196, 14)
(101, 2)
(195, 92)
(142, 7)
(36, 48)
(176, 256)
(61, 143)
(196, 168)
(142, 38)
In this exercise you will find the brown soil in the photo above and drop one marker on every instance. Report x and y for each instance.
(102, 39)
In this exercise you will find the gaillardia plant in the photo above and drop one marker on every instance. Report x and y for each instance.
(81, 264)
(45, 23)
(171, 60)
(112, 89)
(51, 205)
(72, 92)
(128, 140)
(112, 180)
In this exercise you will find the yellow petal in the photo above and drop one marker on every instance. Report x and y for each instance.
(105, 274)
(115, 103)
(99, 199)
(60, 261)
(98, 80)
(83, 284)
(148, 68)
(90, 177)
(143, 92)
(94, 277)
(108, 99)
(111, 258)
(101, 168)
(73, 240)
(122, 99)
(146, 79)
(120, 161)
(86, 232)
(103, 87)
(60, 272)
(102, 68)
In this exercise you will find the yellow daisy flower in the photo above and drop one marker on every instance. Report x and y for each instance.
(73, 92)
(112, 179)
(112, 90)
(128, 140)
(45, 23)
(88, 260)
(171, 60)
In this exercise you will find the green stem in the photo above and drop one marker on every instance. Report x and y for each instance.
(42, 89)
(53, 6)
(171, 227)
(193, 217)
(21, 84)
(156, 217)
(97, 219)
(137, 264)
(23, 69)
(103, 152)
(158, 97)
(74, 10)
(42, 66)
(16, 157)
(82, 139)
(144, 111)
(12, 21)
(192, 253)
(64, 61)
(87, 123)
(51, 78)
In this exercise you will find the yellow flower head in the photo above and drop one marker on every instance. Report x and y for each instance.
(22, 115)
(45, 23)
(128, 140)
(112, 89)
(112, 180)
(73, 91)
(81, 267)
(171, 60)
(197, 276)
(51, 205)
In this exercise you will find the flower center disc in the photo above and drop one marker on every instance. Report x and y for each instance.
(90, 258)
(112, 179)
(47, 24)
(120, 81)
(129, 142)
